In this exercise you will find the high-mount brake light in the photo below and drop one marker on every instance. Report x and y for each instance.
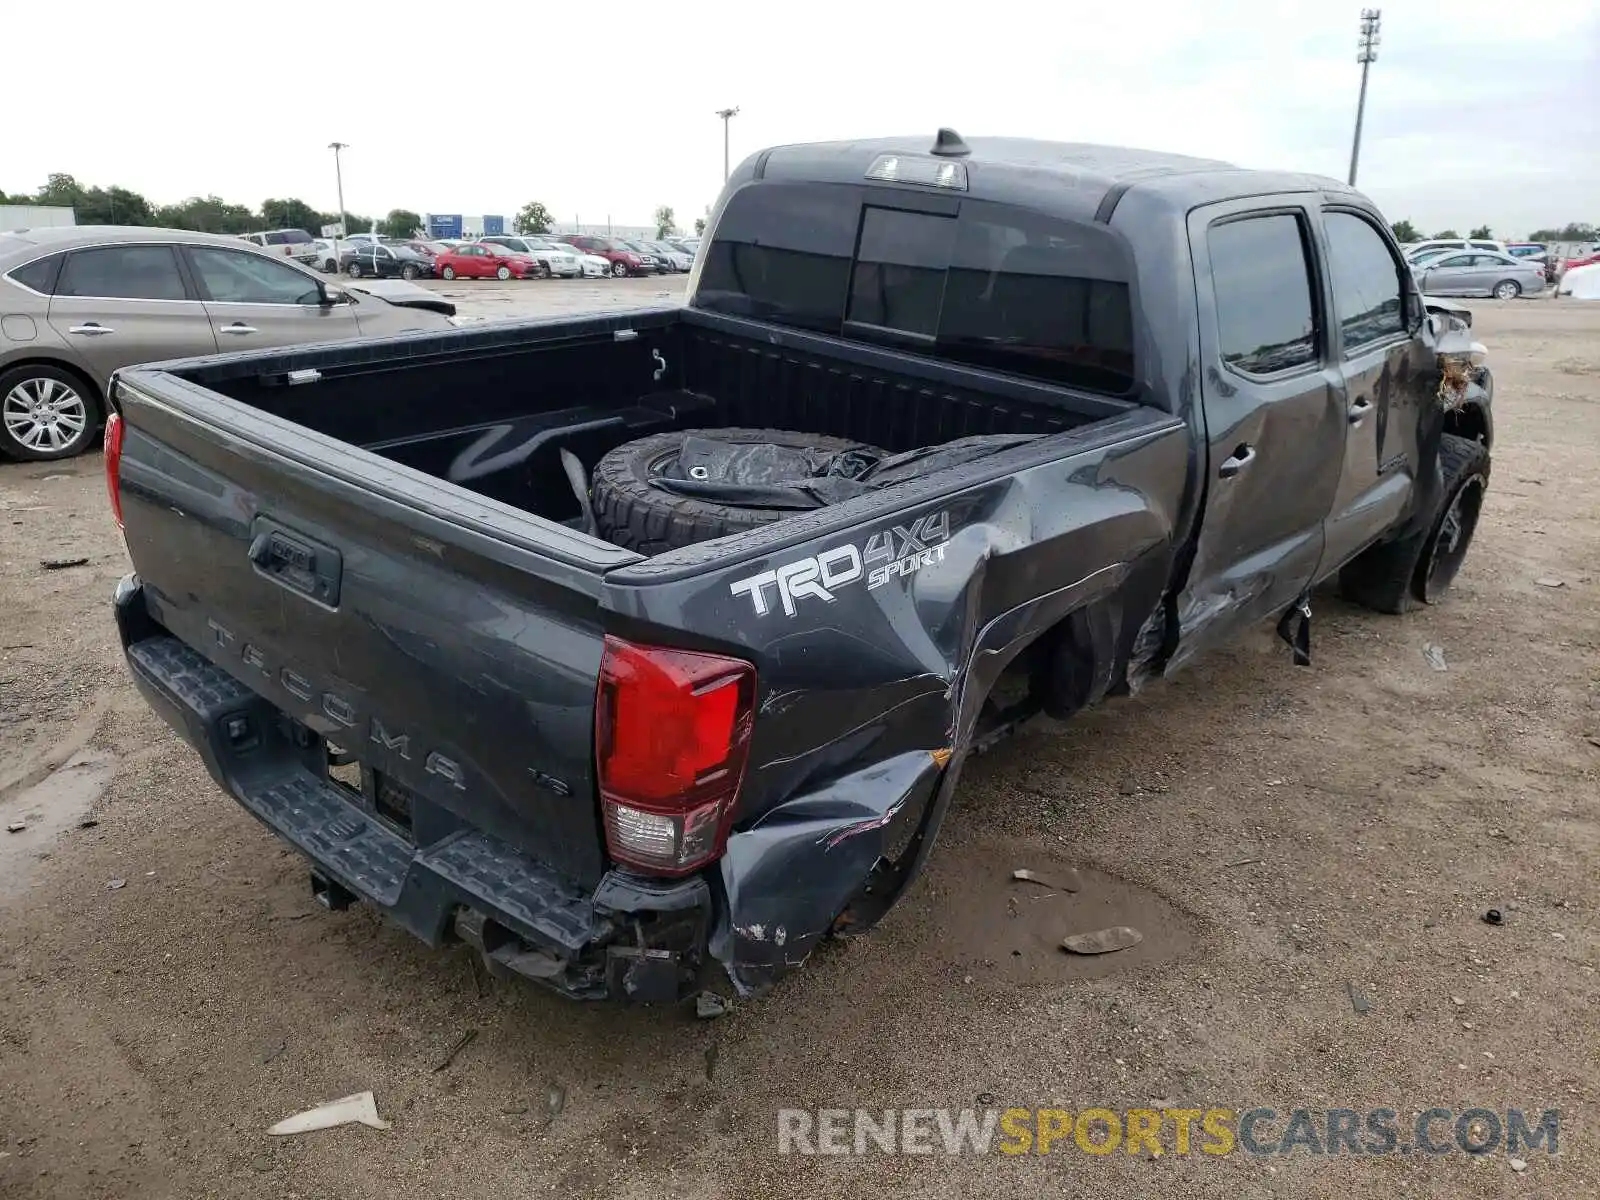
(672, 736)
(915, 168)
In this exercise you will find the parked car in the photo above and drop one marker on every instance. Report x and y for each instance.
(666, 252)
(482, 260)
(1490, 244)
(648, 257)
(327, 256)
(631, 722)
(623, 260)
(1417, 257)
(592, 265)
(1480, 273)
(291, 243)
(83, 301)
(385, 262)
(555, 259)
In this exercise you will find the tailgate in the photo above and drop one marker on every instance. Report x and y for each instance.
(446, 645)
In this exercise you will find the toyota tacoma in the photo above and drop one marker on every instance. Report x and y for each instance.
(646, 648)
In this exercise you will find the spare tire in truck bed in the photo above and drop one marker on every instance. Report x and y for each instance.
(636, 492)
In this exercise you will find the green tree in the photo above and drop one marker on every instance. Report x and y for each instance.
(533, 218)
(207, 214)
(1572, 231)
(1447, 233)
(1482, 231)
(353, 222)
(1405, 231)
(400, 223)
(666, 222)
(59, 189)
(290, 214)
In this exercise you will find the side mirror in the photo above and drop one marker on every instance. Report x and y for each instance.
(333, 295)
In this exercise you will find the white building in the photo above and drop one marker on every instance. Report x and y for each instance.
(34, 216)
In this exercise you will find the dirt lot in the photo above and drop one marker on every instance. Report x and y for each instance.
(151, 1031)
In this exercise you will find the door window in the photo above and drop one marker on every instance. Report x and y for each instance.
(239, 277)
(1266, 320)
(1455, 260)
(123, 273)
(1366, 280)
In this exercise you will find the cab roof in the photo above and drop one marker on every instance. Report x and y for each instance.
(1076, 179)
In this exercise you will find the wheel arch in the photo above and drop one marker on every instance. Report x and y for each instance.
(1471, 421)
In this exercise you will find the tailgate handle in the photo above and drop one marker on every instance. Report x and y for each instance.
(297, 562)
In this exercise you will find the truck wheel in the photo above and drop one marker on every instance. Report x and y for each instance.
(1396, 576)
(633, 513)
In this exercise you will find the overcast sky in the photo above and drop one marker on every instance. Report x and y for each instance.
(1476, 112)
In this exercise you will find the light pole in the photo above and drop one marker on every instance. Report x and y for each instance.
(727, 114)
(338, 176)
(1366, 55)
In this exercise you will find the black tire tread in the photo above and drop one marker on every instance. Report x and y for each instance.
(1384, 578)
(633, 514)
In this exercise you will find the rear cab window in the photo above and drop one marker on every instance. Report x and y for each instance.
(977, 283)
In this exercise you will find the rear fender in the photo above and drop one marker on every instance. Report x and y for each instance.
(876, 646)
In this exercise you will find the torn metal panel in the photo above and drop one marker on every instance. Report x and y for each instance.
(786, 880)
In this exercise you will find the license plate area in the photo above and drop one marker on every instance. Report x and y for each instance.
(384, 798)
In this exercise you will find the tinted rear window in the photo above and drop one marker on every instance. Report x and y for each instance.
(994, 286)
(288, 237)
(40, 275)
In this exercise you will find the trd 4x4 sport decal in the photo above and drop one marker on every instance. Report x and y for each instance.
(899, 551)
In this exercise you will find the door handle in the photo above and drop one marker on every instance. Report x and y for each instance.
(91, 329)
(239, 327)
(1236, 462)
(1359, 409)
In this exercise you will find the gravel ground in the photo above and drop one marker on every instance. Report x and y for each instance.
(1288, 840)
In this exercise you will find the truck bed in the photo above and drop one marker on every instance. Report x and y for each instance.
(489, 409)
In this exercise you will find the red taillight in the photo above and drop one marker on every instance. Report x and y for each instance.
(671, 735)
(113, 447)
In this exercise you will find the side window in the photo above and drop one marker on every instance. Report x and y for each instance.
(1453, 260)
(235, 277)
(123, 273)
(1366, 280)
(40, 274)
(1266, 321)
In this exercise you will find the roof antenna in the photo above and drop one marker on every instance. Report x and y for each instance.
(948, 144)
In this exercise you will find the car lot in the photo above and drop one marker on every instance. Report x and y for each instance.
(1237, 814)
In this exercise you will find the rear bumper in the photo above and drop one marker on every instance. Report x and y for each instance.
(630, 938)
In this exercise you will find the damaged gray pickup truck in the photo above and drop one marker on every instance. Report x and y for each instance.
(642, 647)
